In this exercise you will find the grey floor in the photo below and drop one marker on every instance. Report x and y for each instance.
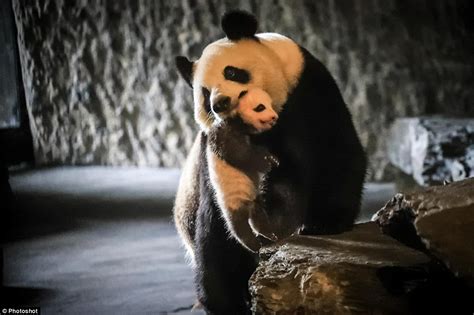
(100, 240)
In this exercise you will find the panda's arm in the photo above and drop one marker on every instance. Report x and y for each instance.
(234, 147)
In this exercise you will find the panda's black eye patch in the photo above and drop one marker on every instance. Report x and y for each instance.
(207, 99)
(242, 94)
(236, 74)
(259, 108)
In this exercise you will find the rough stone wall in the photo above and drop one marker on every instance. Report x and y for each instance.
(102, 89)
(100, 83)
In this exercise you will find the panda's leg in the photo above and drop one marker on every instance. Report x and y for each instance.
(260, 222)
(223, 265)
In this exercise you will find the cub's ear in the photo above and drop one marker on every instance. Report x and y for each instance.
(185, 68)
(239, 24)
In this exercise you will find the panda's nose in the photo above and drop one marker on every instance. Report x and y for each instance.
(221, 104)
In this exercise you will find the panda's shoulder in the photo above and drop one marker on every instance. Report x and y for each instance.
(289, 53)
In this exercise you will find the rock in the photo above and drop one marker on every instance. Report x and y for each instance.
(101, 86)
(438, 220)
(396, 219)
(433, 150)
(357, 272)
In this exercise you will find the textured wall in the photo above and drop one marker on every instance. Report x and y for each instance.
(101, 86)
(9, 105)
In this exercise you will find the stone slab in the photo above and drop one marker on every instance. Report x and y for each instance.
(433, 150)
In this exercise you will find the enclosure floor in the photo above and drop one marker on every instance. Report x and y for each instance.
(96, 240)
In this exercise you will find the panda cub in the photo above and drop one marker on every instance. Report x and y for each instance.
(237, 166)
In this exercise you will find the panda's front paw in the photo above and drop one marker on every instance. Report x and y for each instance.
(272, 160)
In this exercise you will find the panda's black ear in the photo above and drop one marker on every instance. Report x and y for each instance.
(239, 24)
(185, 68)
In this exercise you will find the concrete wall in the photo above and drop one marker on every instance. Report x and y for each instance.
(101, 87)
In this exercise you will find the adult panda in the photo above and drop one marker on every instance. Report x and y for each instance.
(317, 187)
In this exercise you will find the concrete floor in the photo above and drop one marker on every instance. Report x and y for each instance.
(100, 240)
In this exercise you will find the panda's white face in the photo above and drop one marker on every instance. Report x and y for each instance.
(227, 68)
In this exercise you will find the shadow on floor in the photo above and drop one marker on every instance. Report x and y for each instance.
(23, 297)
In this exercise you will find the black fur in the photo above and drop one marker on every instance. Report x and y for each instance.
(185, 68)
(322, 162)
(239, 24)
(229, 140)
(317, 186)
(223, 266)
(237, 75)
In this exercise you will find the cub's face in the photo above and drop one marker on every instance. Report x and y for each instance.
(255, 109)
(227, 69)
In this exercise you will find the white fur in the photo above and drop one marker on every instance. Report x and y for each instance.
(262, 120)
(274, 62)
(289, 54)
(187, 198)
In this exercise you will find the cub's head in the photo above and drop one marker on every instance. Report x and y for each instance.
(255, 108)
(242, 61)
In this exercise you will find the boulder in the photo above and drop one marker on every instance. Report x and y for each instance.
(438, 220)
(433, 150)
(361, 271)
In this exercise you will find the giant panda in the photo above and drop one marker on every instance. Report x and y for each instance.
(316, 189)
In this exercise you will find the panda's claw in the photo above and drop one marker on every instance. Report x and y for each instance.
(274, 162)
(272, 237)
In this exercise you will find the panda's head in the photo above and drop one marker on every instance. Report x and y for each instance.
(241, 61)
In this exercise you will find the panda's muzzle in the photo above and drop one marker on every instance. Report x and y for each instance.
(221, 104)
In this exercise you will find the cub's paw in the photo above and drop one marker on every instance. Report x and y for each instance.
(264, 241)
(269, 236)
